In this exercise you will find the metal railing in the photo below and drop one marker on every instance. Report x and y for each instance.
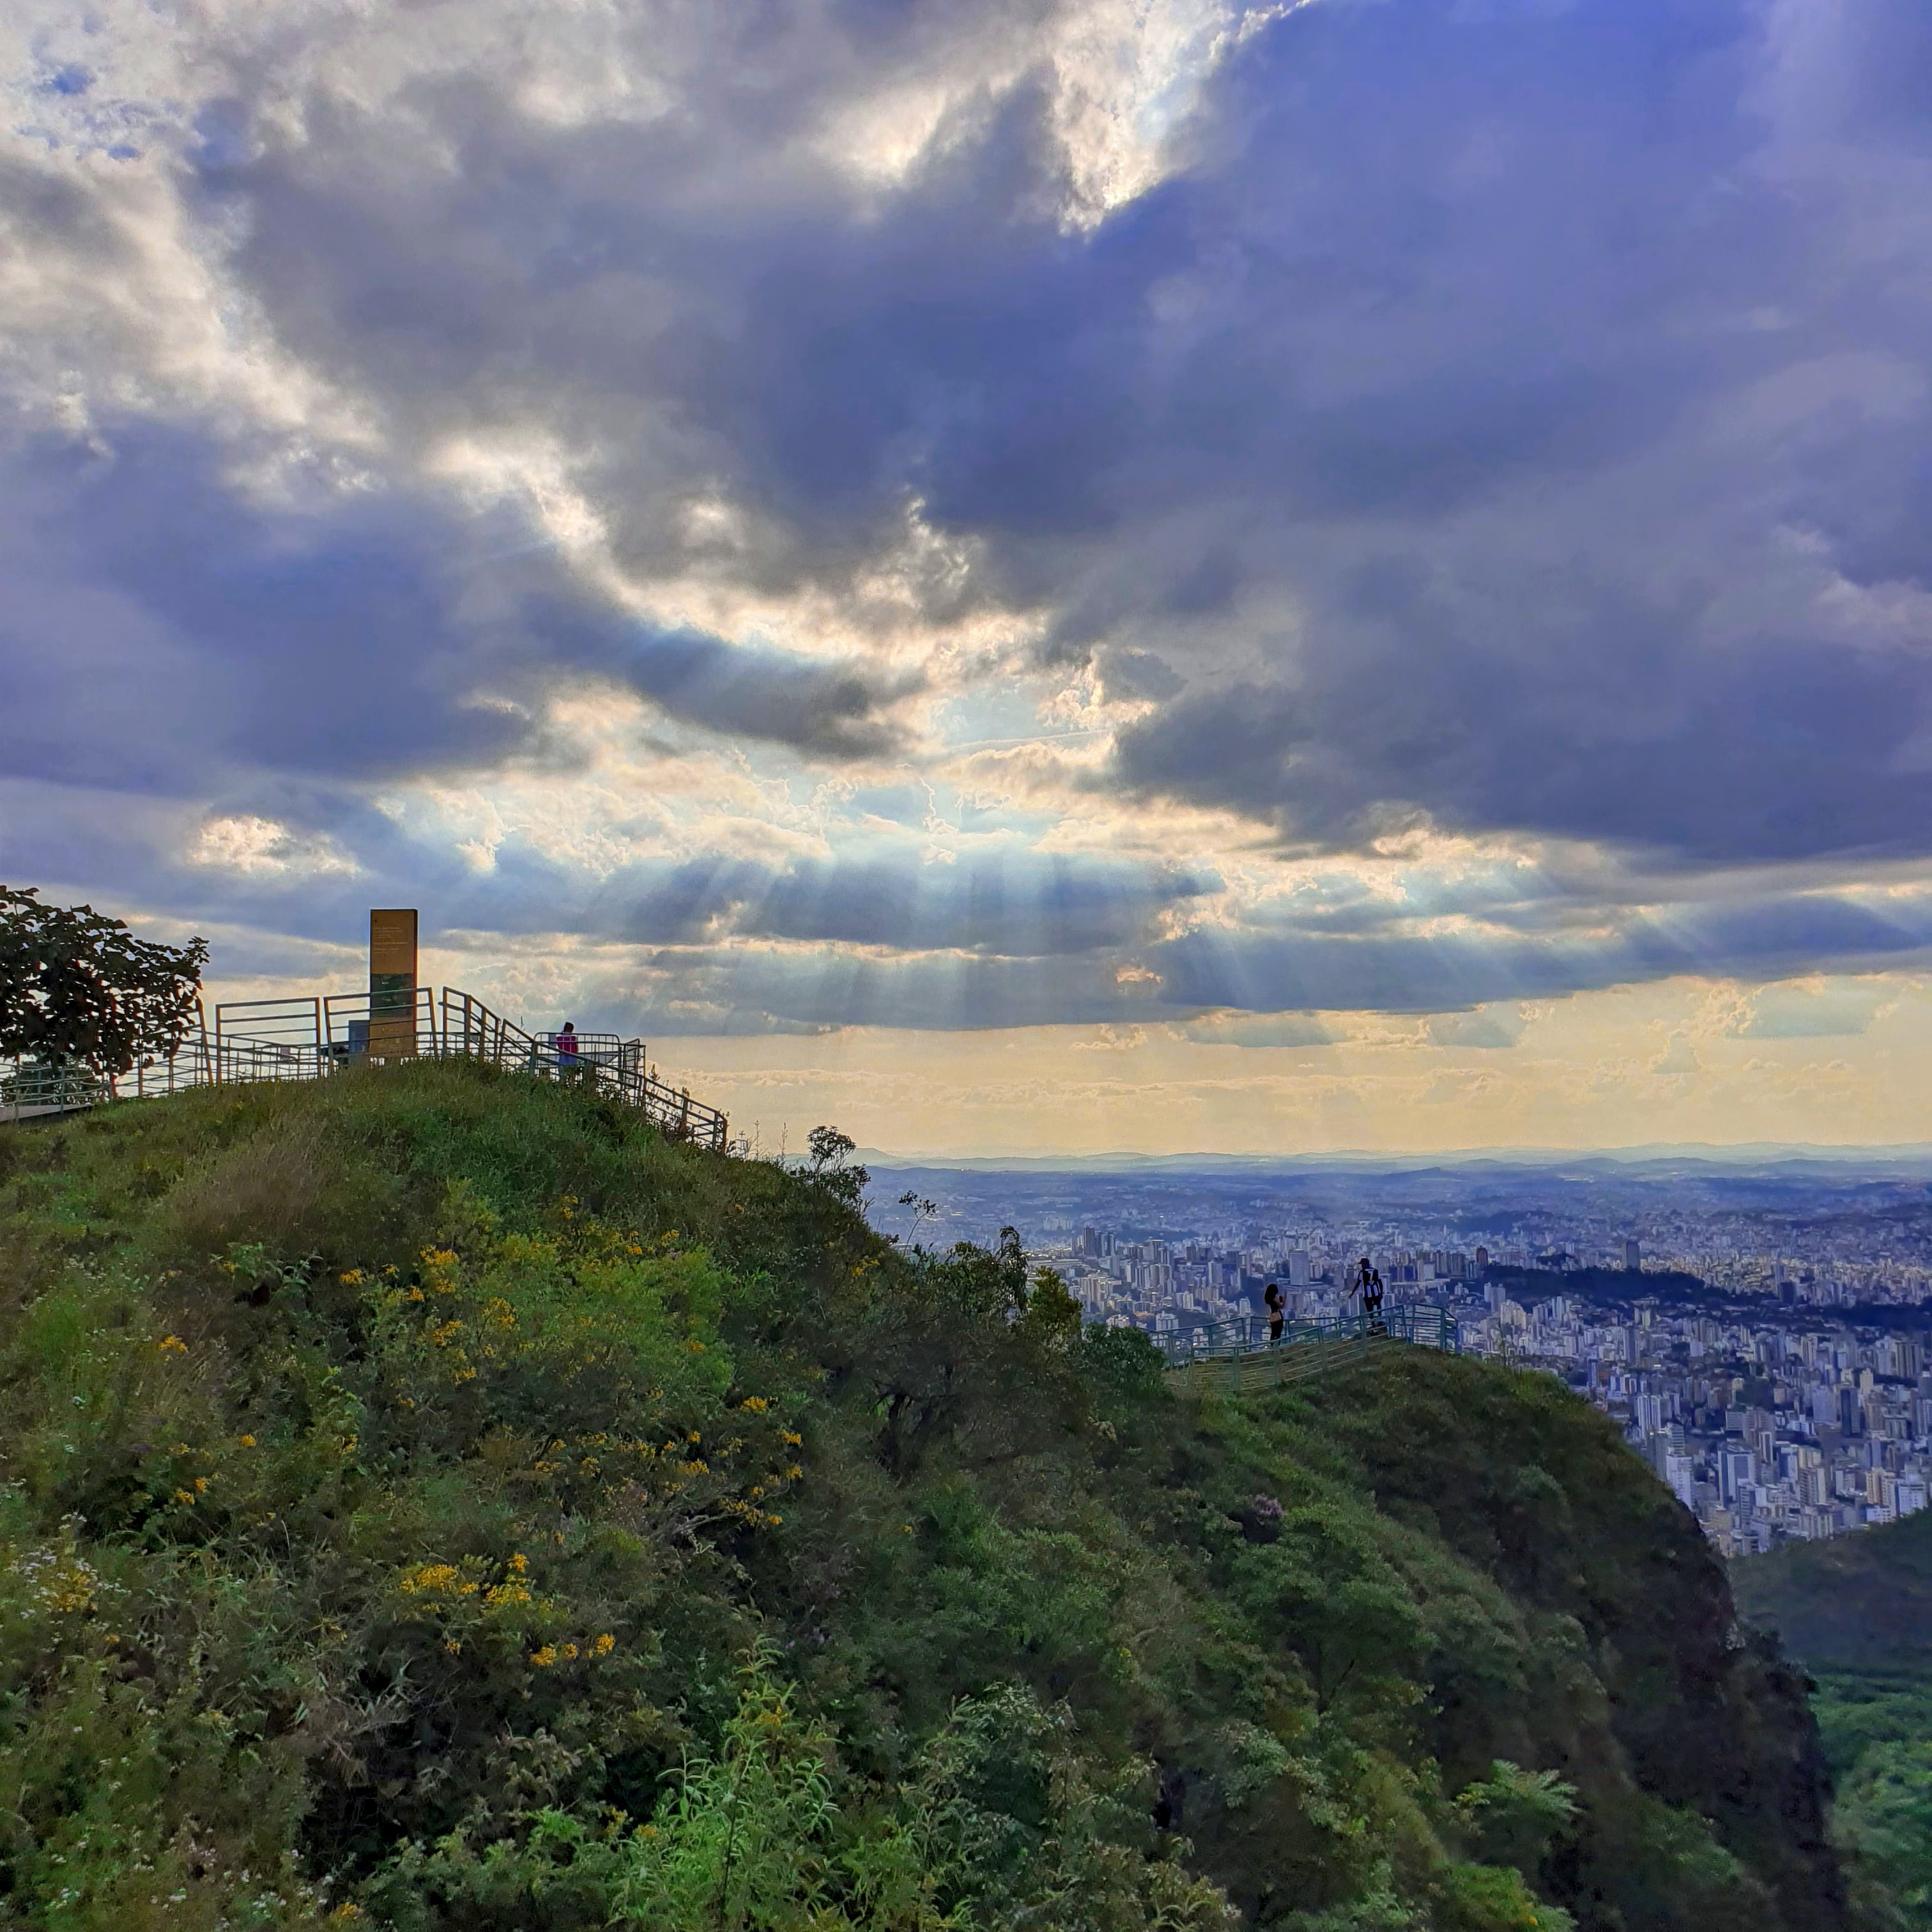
(1241, 1353)
(611, 1065)
(309, 1038)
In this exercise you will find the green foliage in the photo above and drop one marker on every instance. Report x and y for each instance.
(1858, 1612)
(76, 985)
(1490, 1898)
(1512, 1814)
(1884, 1813)
(429, 1499)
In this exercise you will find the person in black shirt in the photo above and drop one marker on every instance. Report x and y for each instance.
(1276, 1308)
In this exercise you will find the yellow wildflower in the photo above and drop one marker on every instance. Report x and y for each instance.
(172, 1345)
(519, 1563)
(791, 1441)
(569, 1652)
(247, 1442)
(756, 1404)
(544, 1658)
(605, 1644)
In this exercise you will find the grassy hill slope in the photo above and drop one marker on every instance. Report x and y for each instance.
(429, 1500)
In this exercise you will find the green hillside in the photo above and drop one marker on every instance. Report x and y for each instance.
(431, 1500)
(1857, 1612)
(1857, 1603)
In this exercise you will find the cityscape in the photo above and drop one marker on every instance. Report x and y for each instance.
(1761, 1336)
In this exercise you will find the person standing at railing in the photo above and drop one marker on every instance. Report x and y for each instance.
(567, 1061)
(1271, 1294)
(1372, 1298)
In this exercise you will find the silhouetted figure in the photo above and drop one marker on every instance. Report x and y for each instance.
(1276, 1308)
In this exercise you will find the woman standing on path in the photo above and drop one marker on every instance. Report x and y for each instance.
(1271, 1294)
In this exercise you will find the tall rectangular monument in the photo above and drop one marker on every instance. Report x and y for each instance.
(392, 983)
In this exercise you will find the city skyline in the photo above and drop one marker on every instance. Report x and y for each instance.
(1036, 578)
(1762, 1336)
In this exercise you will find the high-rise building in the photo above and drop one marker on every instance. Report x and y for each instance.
(1633, 1255)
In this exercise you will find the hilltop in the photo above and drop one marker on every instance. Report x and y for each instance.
(429, 1499)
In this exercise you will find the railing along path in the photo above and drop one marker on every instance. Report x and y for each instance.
(312, 1037)
(1238, 1354)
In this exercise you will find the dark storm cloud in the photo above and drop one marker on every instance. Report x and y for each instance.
(1424, 464)
(162, 625)
(1429, 972)
(1503, 418)
(1207, 983)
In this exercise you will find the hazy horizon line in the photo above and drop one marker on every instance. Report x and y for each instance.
(1714, 1152)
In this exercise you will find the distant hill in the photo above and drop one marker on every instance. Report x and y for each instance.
(431, 1500)
(1601, 1284)
(1860, 1603)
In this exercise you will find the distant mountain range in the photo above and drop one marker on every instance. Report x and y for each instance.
(1659, 1160)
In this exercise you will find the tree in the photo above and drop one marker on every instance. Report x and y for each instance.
(830, 1166)
(78, 987)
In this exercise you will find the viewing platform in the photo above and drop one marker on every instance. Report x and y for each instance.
(315, 1037)
(1238, 1355)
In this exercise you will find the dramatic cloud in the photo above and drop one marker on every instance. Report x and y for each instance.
(1205, 516)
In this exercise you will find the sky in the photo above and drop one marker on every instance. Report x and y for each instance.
(1161, 575)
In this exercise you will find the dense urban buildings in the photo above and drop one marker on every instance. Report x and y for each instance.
(1764, 1342)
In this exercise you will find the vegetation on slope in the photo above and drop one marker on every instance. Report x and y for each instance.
(432, 1501)
(1857, 1610)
